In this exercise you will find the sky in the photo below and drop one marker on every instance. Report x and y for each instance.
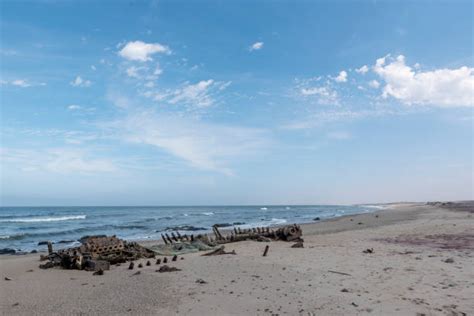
(235, 102)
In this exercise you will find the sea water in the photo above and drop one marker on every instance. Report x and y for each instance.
(22, 228)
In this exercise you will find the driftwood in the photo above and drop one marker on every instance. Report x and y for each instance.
(337, 272)
(219, 251)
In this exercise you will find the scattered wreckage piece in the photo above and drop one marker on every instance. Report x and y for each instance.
(96, 253)
(266, 250)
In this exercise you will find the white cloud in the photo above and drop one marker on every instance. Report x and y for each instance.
(439, 87)
(256, 46)
(362, 70)
(140, 51)
(374, 84)
(342, 77)
(79, 82)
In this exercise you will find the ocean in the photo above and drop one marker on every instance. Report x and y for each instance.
(22, 228)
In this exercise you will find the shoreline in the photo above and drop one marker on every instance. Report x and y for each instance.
(420, 263)
(61, 245)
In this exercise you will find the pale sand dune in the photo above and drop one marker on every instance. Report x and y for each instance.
(406, 275)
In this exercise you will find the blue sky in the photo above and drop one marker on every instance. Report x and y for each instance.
(220, 102)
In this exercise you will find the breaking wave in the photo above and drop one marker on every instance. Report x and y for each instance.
(42, 219)
(13, 237)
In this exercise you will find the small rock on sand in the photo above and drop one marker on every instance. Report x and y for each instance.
(166, 268)
(299, 244)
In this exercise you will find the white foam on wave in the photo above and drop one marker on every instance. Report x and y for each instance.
(208, 213)
(263, 208)
(265, 223)
(43, 219)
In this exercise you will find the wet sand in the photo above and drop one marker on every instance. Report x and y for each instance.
(421, 264)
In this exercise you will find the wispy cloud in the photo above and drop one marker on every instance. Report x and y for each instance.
(79, 109)
(56, 160)
(21, 83)
(192, 96)
(144, 73)
(339, 135)
(198, 94)
(202, 145)
(321, 118)
(316, 90)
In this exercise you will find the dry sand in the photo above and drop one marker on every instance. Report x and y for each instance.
(422, 264)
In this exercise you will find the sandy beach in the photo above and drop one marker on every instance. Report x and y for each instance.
(421, 264)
